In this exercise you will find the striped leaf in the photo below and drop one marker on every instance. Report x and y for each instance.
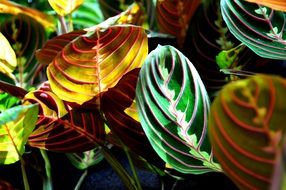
(173, 16)
(260, 28)
(16, 124)
(279, 5)
(173, 107)
(102, 56)
(26, 35)
(60, 128)
(15, 9)
(5, 185)
(246, 129)
(65, 7)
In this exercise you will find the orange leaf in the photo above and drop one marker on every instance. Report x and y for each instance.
(279, 5)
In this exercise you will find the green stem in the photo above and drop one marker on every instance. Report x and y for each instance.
(47, 181)
(24, 174)
(132, 167)
(119, 169)
(82, 177)
(70, 23)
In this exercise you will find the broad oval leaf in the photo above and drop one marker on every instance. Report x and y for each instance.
(102, 56)
(65, 7)
(260, 28)
(173, 107)
(174, 17)
(16, 124)
(8, 61)
(246, 129)
(61, 128)
(279, 5)
(15, 9)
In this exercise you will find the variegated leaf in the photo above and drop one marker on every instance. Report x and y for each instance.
(10, 7)
(102, 56)
(60, 128)
(246, 129)
(16, 124)
(174, 16)
(25, 35)
(260, 28)
(173, 107)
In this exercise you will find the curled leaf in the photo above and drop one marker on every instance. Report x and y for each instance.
(173, 107)
(246, 131)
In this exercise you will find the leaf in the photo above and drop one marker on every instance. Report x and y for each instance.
(8, 61)
(16, 124)
(279, 5)
(174, 16)
(16, 9)
(5, 185)
(103, 56)
(114, 102)
(56, 44)
(7, 101)
(87, 15)
(245, 129)
(111, 8)
(173, 106)
(61, 128)
(261, 29)
(52, 47)
(83, 160)
(65, 7)
(12, 90)
(205, 41)
(25, 35)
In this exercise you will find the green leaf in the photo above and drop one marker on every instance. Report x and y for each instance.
(83, 160)
(16, 124)
(7, 101)
(246, 129)
(173, 106)
(260, 28)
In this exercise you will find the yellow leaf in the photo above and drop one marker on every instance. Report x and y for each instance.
(15, 9)
(64, 7)
(279, 5)
(8, 61)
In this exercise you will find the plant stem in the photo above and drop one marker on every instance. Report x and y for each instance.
(119, 169)
(47, 181)
(132, 167)
(82, 177)
(63, 23)
(24, 174)
(70, 23)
